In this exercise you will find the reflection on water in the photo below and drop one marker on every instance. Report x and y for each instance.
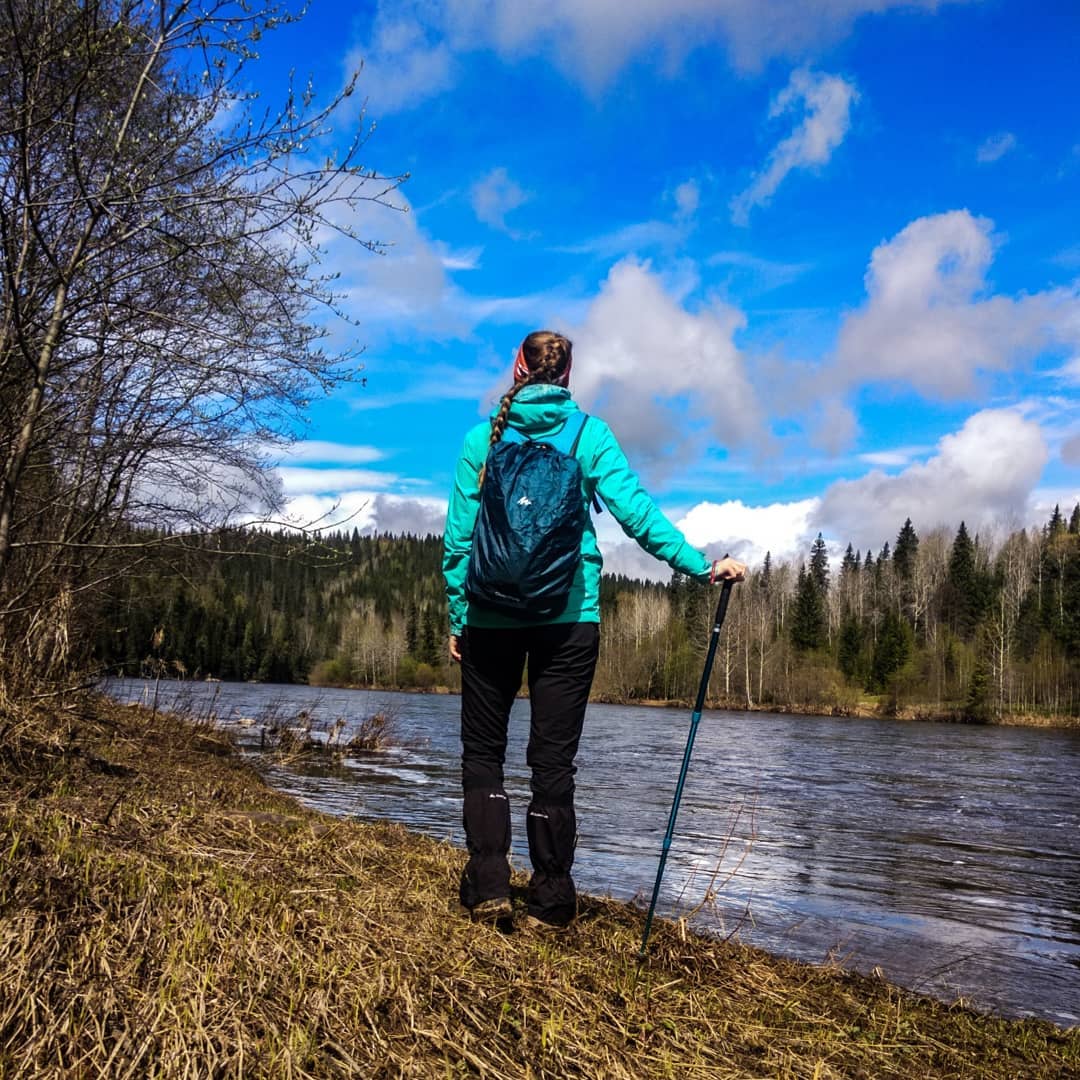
(948, 856)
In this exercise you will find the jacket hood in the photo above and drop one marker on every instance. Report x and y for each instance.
(541, 409)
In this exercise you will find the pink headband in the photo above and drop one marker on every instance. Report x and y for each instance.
(522, 372)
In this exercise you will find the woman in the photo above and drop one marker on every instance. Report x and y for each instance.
(561, 650)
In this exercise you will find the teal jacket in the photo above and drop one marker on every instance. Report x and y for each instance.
(541, 410)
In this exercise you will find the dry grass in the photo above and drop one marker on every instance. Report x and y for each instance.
(164, 914)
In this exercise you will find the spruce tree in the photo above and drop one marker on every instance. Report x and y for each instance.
(1074, 521)
(891, 651)
(819, 564)
(1056, 525)
(907, 547)
(849, 647)
(808, 613)
(850, 563)
(963, 598)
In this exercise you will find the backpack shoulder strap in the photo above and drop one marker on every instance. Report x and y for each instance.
(577, 438)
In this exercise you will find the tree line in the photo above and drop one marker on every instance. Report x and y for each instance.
(947, 623)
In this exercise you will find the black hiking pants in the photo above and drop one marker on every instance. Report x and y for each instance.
(561, 661)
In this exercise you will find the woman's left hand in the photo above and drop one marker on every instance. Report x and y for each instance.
(727, 569)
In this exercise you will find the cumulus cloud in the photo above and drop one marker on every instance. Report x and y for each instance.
(995, 147)
(409, 285)
(745, 532)
(658, 373)
(495, 196)
(927, 320)
(835, 427)
(982, 474)
(368, 512)
(825, 104)
(748, 532)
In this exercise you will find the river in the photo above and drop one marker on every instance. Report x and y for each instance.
(947, 856)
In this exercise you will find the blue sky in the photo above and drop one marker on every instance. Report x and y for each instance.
(820, 263)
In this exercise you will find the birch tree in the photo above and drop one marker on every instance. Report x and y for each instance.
(160, 243)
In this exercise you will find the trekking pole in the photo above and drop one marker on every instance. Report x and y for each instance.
(718, 622)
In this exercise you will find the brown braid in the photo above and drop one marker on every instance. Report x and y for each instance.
(546, 356)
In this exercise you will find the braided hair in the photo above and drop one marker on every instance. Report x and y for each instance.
(547, 356)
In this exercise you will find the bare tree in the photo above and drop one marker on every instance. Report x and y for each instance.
(162, 322)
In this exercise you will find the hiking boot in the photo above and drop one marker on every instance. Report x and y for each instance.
(539, 926)
(491, 911)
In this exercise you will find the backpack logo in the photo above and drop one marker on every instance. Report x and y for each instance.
(526, 547)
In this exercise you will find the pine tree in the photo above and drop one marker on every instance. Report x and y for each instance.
(766, 570)
(1074, 521)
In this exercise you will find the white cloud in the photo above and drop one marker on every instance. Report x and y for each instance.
(995, 147)
(1069, 372)
(748, 532)
(687, 198)
(825, 103)
(495, 196)
(368, 512)
(408, 287)
(927, 322)
(835, 428)
(894, 458)
(745, 532)
(656, 371)
(634, 239)
(755, 273)
(299, 481)
(411, 51)
(404, 63)
(1070, 451)
(317, 450)
(982, 474)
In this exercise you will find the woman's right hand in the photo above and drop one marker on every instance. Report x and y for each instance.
(727, 569)
(455, 649)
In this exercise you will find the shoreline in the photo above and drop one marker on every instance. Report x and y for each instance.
(863, 710)
(163, 904)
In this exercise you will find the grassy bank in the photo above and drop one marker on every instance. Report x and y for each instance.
(163, 913)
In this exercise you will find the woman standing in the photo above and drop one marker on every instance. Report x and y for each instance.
(560, 649)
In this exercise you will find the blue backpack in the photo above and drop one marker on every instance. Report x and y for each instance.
(527, 541)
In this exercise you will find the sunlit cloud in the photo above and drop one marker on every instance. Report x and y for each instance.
(823, 104)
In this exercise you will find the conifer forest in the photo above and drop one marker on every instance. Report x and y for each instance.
(948, 624)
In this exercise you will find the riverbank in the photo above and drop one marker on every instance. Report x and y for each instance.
(866, 708)
(163, 912)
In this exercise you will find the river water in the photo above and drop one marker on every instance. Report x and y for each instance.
(947, 856)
